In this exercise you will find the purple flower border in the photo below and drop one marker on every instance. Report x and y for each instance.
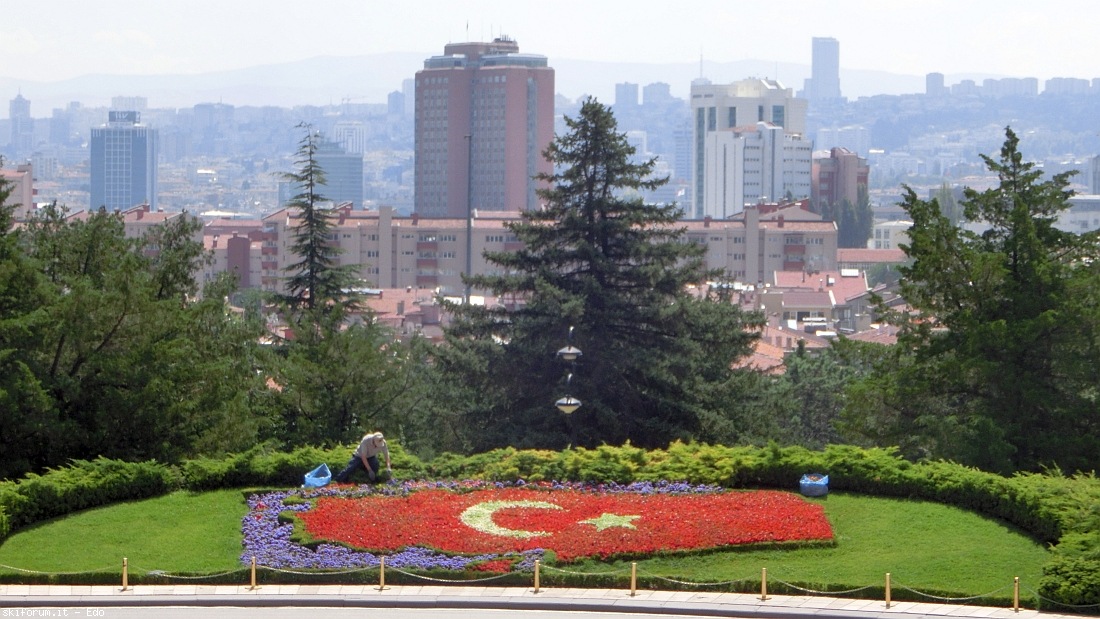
(268, 540)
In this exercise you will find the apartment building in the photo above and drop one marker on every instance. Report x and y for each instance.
(484, 116)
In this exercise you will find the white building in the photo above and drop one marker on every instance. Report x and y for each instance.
(721, 107)
(889, 234)
(747, 165)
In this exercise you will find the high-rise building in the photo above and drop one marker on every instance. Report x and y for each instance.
(22, 126)
(626, 96)
(934, 85)
(484, 116)
(724, 107)
(343, 174)
(123, 156)
(824, 82)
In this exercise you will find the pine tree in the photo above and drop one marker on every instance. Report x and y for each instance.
(617, 271)
(317, 278)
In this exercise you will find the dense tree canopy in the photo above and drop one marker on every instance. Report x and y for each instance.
(657, 344)
(1002, 329)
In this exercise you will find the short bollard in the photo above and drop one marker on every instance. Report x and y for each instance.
(125, 574)
(536, 575)
(633, 578)
(887, 589)
(763, 583)
(381, 573)
(1016, 594)
(252, 586)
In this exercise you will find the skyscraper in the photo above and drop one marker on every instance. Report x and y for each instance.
(123, 155)
(22, 126)
(484, 115)
(343, 173)
(824, 82)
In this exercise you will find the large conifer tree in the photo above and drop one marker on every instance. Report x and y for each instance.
(656, 356)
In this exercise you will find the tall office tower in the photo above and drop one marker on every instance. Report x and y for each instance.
(484, 115)
(343, 174)
(22, 126)
(1094, 175)
(723, 107)
(123, 155)
(626, 96)
(824, 83)
(934, 85)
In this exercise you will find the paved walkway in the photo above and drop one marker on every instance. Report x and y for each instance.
(513, 598)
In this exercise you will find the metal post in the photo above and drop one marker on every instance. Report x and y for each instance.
(536, 575)
(887, 589)
(125, 573)
(253, 586)
(469, 212)
(1016, 594)
(763, 583)
(633, 578)
(381, 573)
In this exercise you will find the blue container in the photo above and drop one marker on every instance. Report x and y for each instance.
(318, 477)
(814, 484)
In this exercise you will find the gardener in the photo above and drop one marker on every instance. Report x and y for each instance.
(366, 457)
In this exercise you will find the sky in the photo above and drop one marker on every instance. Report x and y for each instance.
(50, 40)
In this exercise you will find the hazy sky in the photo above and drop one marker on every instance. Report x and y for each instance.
(48, 40)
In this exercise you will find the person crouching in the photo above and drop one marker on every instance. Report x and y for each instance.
(366, 458)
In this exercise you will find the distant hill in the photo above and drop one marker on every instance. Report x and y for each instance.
(369, 79)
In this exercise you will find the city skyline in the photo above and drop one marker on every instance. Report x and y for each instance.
(64, 39)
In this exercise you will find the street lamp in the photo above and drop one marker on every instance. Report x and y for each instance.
(569, 354)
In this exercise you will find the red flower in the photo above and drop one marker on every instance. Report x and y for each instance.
(572, 524)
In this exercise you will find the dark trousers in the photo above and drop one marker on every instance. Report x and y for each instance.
(355, 464)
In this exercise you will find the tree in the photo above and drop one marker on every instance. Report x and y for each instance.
(25, 412)
(317, 279)
(657, 358)
(116, 359)
(1003, 333)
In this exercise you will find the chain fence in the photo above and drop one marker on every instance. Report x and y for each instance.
(742, 585)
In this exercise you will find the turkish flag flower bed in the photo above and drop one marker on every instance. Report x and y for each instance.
(572, 524)
(490, 527)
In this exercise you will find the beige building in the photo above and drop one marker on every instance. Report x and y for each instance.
(22, 190)
(411, 252)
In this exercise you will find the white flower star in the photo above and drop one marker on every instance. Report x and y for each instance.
(606, 521)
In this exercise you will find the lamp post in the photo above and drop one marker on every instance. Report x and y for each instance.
(569, 404)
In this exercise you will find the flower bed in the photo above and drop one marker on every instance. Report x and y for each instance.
(494, 527)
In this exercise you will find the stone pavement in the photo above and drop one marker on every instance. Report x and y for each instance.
(476, 597)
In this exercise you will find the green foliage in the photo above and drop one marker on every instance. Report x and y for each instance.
(109, 354)
(338, 381)
(81, 485)
(316, 280)
(1000, 332)
(265, 465)
(600, 263)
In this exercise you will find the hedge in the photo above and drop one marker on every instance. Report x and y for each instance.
(1052, 507)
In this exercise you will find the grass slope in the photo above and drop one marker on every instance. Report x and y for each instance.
(925, 546)
(178, 532)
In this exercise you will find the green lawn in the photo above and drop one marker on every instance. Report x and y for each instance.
(178, 532)
(925, 546)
